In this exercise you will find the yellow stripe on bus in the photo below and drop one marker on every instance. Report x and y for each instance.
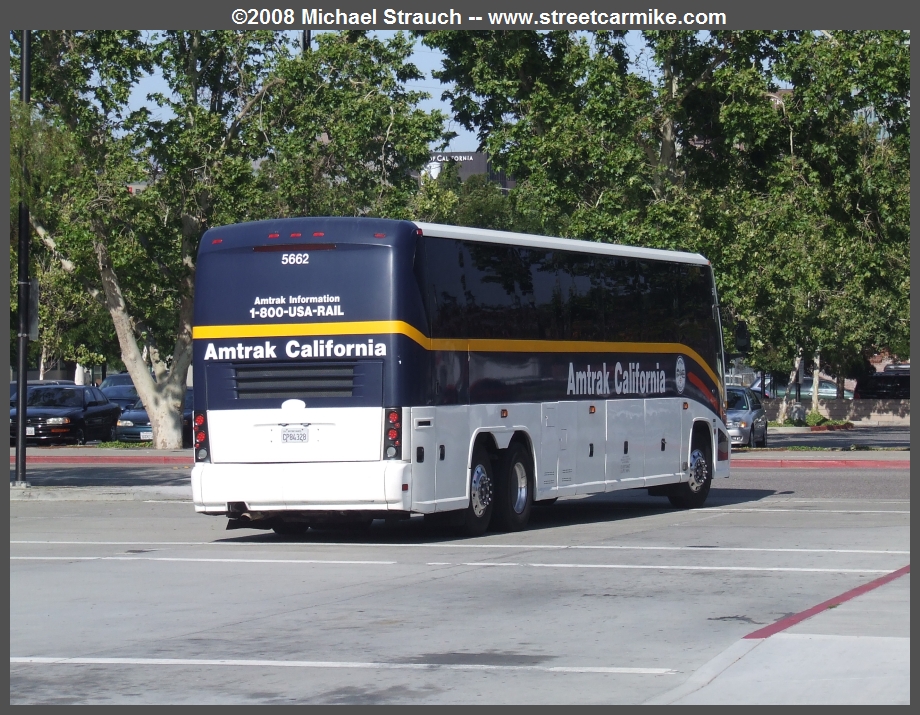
(377, 327)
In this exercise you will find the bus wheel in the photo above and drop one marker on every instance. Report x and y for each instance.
(692, 493)
(514, 493)
(479, 512)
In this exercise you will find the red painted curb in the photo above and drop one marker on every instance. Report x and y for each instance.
(790, 621)
(107, 459)
(819, 464)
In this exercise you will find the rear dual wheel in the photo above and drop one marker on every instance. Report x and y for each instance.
(514, 494)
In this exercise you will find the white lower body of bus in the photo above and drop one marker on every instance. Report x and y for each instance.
(337, 467)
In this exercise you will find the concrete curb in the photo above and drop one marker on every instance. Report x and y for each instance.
(820, 464)
(173, 494)
(707, 673)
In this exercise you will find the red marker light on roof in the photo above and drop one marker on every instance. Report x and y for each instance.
(318, 234)
(216, 241)
(273, 235)
(295, 235)
(418, 232)
(380, 235)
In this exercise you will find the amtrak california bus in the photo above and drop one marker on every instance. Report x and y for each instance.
(354, 368)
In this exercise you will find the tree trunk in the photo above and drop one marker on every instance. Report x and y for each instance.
(41, 363)
(784, 404)
(815, 382)
(162, 399)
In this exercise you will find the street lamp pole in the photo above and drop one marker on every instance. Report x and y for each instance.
(22, 377)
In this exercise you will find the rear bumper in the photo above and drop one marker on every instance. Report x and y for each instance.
(317, 486)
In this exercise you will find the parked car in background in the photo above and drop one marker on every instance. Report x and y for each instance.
(123, 395)
(66, 413)
(32, 383)
(746, 418)
(827, 390)
(763, 393)
(134, 423)
(118, 379)
(888, 385)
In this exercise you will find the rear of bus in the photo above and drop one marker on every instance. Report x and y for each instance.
(303, 331)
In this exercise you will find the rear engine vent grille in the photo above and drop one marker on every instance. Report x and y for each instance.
(294, 381)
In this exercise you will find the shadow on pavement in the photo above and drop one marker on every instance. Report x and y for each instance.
(601, 508)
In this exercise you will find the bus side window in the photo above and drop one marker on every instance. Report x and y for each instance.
(492, 279)
(446, 295)
(621, 301)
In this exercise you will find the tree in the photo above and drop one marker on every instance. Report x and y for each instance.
(344, 134)
(246, 130)
(703, 151)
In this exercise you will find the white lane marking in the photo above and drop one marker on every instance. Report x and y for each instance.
(768, 510)
(339, 664)
(700, 568)
(558, 547)
(220, 561)
(649, 567)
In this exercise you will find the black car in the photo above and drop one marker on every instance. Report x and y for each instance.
(67, 413)
(34, 383)
(888, 385)
(125, 396)
(134, 423)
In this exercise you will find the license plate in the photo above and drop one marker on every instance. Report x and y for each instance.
(146, 435)
(30, 431)
(294, 436)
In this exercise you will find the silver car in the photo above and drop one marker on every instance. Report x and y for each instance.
(747, 420)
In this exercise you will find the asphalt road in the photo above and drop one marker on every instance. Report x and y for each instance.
(606, 599)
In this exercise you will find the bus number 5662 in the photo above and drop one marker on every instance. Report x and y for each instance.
(292, 259)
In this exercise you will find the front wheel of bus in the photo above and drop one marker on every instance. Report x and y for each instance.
(692, 493)
(482, 488)
(514, 496)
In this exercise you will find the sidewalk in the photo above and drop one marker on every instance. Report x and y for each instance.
(849, 650)
(820, 459)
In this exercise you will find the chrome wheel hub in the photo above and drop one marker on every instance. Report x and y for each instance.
(519, 479)
(481, 490)
(699, 471)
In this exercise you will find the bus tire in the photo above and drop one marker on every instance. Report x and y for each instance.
(482, 494)
(692, 493)
(514, 489)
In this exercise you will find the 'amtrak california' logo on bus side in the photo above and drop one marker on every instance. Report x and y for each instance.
(680, 375)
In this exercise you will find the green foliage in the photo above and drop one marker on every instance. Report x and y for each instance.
(343, 132)
(813, 419)
(800, 202)
(246, 129)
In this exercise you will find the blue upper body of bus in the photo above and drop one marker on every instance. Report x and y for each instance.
(369, 312)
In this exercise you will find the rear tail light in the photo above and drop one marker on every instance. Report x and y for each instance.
(201, 445)
(392, 433)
